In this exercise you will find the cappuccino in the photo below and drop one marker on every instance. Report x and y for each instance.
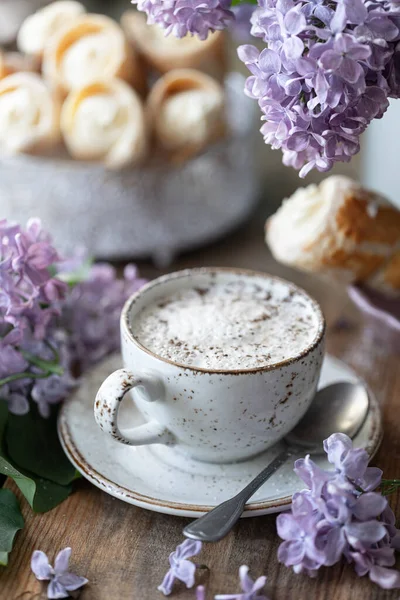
(225, 326)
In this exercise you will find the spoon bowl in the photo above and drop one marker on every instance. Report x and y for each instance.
(339, 407)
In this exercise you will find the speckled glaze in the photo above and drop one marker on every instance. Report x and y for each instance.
(209, 415)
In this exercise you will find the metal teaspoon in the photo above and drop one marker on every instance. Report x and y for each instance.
(340, 407)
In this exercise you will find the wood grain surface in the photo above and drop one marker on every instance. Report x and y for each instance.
(123, 550)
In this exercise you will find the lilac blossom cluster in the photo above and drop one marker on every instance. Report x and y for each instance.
(48, 323)
(182, 17)
(340, 515)
(91, 312)
(328, 69)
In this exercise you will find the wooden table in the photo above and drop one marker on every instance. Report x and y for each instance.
(123, 550)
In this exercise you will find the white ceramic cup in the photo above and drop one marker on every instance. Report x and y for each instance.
(211, 415)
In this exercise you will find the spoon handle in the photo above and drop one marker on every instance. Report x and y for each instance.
(217, 523)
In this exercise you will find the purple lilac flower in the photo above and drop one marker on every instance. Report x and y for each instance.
(49, 322)
(30, 300)
(180, 17)
(28, 288)
(180, 567)
(340, 514)
(92, 309)
(328, 69)
(62, 582)
(250, 588)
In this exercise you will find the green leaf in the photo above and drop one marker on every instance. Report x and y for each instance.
(42, 495)
(239, 2)
(389, 486)
(11, 521)
(32, 443)
(3, 559)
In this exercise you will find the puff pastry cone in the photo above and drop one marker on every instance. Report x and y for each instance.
(105, 121)
(164, 53)
(29, 114)
(92, 47)
(38, 28)
(342, 230)
(186, 111)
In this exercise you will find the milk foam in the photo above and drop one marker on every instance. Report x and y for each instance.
(227, 326)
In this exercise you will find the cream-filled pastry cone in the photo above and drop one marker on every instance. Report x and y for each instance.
(38, 28)
(105, 121)
(339, 229)
(29, 114)
(164, 53)
(187, 112)
(92, 47)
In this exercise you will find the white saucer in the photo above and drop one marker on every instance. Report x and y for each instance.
(156, 478)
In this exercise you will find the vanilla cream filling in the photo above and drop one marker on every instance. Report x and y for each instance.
(90, 58)
(39, 27)
(22, 117)
(99, 122)
(189, 117)
(300, 221)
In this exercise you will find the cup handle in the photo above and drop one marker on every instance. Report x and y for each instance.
(107, 404)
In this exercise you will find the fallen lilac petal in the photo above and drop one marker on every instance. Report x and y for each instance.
(250, 588)
(181, 568)
(167, 584)
(62, 561)
(71, 582)
(40, 566)
(56, 590)
(61, 581)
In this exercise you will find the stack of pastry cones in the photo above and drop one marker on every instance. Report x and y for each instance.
(113, 93)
